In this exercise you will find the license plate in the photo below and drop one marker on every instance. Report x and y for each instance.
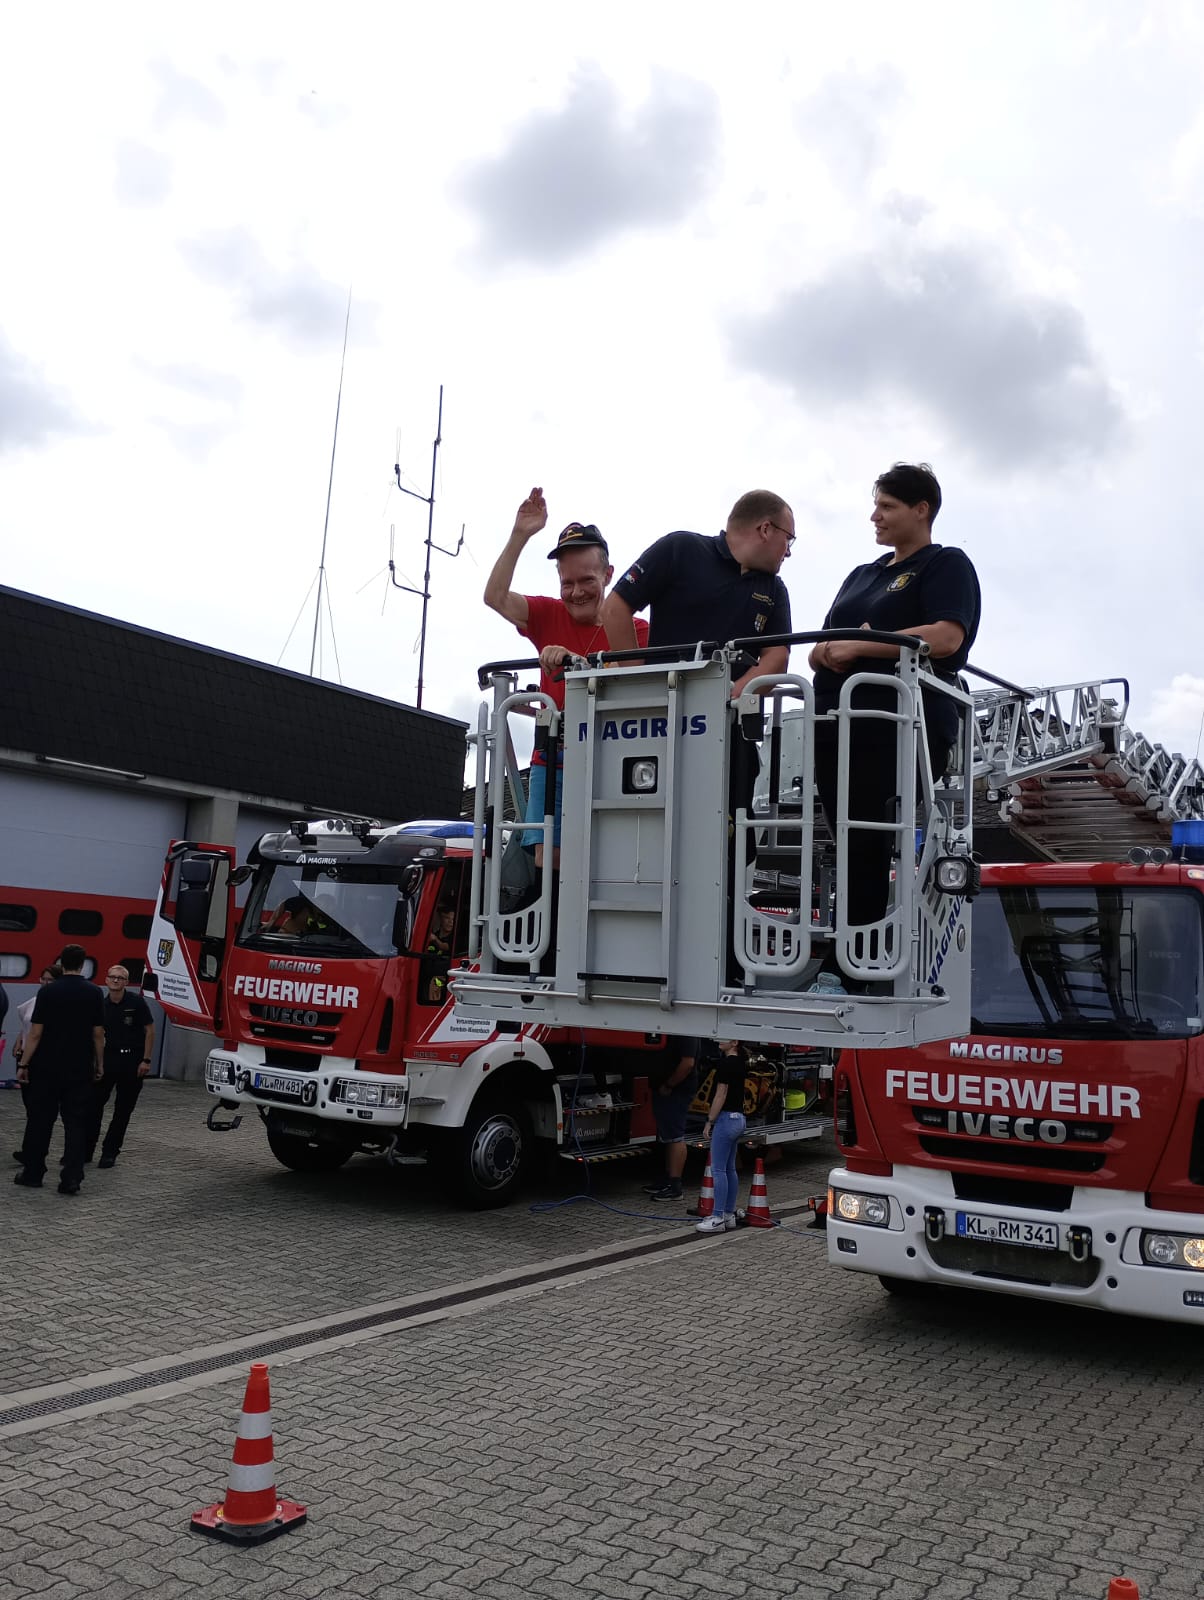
(1009, 1230)
(276, 1083)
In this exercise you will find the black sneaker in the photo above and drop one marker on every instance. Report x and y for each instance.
(668, 1191)
(107, 1161)
(68, 1188)
(651, 1188)
(26, 1180)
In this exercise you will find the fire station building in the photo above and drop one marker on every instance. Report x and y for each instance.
(115, 740)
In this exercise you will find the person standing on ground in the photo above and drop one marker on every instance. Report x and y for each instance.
(64, 1056)
(129, 1048)
(25, 1017)
(673, 1080)
(725, 1124)
(917, 587)
(571, 625)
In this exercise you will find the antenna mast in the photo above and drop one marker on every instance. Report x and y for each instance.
(429, 501)
(313, 649)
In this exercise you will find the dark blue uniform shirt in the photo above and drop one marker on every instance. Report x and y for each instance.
(696, 590)
(936, 584)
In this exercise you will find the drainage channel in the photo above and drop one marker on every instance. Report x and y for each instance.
(70, 1401)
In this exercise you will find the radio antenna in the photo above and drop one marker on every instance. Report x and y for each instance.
(322, 583)
(429, 501)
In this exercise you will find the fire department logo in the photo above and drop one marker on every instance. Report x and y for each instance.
(900, 582)
(165, 951)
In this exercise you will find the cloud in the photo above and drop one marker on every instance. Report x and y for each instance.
(846, 120)
(222, 388)
(1010, 374)
(585, 172)
(31, 411)
(294, 300)
(1177, 714)
(143, 176)
(183, 97)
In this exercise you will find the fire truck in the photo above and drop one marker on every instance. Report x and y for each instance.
(1029, 1121)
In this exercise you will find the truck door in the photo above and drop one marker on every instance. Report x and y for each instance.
(190, 929)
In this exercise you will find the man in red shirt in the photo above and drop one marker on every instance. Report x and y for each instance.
(571, 625)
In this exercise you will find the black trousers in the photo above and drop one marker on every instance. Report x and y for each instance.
(53, 1093)
(123, 1078)
(873, 791)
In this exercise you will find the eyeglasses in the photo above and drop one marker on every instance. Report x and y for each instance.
(790, 537)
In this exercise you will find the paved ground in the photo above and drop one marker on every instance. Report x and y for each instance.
(733, 1419)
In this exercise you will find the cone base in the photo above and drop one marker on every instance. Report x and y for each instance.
(209, 1520)
(754, 1221)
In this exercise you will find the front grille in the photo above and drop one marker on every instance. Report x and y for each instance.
(1014, 1263)
(295, 1060)
(990, 1189)
(1054, 1158)
(267, 1030)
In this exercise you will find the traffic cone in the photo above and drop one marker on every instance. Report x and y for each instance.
(758, 1200)
(1122, 1589)
(251, 1512)
(706, 1195)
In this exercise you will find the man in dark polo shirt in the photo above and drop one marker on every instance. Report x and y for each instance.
(717, 589)
(63, 1057)
(129, 1043)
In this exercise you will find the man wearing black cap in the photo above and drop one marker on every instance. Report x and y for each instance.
(571, 625)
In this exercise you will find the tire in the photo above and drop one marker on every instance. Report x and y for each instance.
(301, 1154)
(908, 1288)
(486, 1161)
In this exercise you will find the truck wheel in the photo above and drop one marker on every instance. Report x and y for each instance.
(488, 1157)
(299, 1154)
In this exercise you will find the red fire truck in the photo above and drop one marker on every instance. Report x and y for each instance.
(330, 1001)
(1057, 1149)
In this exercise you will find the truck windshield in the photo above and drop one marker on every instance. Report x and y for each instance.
(340, 910)
(1120, 963)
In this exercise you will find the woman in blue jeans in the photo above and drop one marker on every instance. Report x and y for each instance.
(724, 1128)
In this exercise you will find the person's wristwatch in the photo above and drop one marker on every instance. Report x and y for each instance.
(145, 1062)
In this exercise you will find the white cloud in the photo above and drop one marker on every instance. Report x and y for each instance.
(1010, 374)
(571, 177)
(1176, 714)
(32, 411)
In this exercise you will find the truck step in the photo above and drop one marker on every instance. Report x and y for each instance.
(588, 1158)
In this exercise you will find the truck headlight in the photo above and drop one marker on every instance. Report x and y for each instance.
(871, 1209)
(1173, 1250)
(219, 1070)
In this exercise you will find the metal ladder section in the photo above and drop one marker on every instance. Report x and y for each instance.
(1073, 779)
(660, 924)
(520, 927)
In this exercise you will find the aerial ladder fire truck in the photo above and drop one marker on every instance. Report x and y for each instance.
(1067, 1160)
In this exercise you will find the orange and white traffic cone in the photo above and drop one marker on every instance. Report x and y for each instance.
(251, 1512)
(758, 1200)
(1122, 1589)
(706, 1196)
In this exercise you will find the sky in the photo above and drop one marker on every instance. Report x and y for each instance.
(656, 255)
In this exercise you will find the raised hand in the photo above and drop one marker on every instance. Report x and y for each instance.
(532, 515)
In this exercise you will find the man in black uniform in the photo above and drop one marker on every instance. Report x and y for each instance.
(129, 1042)
(719, 588)
(64, 1055)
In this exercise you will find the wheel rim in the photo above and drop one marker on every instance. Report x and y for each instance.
(497, 1152)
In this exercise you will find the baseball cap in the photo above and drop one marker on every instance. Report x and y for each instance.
(578, 536)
